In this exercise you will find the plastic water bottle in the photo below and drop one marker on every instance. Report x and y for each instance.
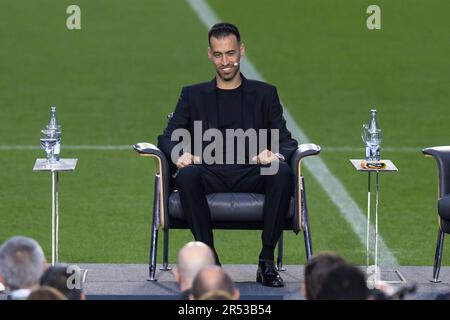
(56, 128)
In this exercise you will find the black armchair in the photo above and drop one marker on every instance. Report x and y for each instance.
(442, 156)
(228, 210)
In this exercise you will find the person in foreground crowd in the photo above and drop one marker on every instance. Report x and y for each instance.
(46, 293)
(315, 271)
(58, 277)
(213, 283)
(192, 258)
(343, 282)
(22, 263)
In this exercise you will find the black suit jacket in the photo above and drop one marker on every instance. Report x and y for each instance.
(261, 110)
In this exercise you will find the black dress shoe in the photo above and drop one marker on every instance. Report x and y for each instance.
(267, 274)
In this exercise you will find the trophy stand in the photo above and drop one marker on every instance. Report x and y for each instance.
(373, 271)
(55, 168)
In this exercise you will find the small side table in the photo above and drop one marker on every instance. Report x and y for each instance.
(389, 167)
(55, 168)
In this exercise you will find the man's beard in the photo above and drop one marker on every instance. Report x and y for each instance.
(230, 76)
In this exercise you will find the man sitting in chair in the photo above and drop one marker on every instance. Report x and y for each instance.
(231, 102)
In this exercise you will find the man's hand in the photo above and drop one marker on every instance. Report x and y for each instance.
(187, 159)
(265, 157)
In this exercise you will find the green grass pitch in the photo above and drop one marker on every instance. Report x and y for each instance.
(115, 80)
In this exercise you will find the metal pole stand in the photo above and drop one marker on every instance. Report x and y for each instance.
(373, 271)
(55, 168)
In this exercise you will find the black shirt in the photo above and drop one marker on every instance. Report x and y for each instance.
(229, 105)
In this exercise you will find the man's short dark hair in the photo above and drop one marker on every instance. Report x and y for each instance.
(56, 277)
(223, 29)
(344, 282)
(316, 269)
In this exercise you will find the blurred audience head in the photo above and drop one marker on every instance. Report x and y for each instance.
(46, 293)
(343, 282)
(315, 271)
(22, 263)
(59, 277)
(212, 283)
(192, 257)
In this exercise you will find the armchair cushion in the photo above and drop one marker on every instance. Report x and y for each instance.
(236, 207)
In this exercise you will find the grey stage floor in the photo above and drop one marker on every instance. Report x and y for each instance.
(129, 281)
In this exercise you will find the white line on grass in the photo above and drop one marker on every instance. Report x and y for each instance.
(332, 186)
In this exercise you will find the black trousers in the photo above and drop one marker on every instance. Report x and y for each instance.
(195, 181)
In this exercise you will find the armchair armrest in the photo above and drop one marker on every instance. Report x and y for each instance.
(145, 148)
(303, 151)
(162, 179)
